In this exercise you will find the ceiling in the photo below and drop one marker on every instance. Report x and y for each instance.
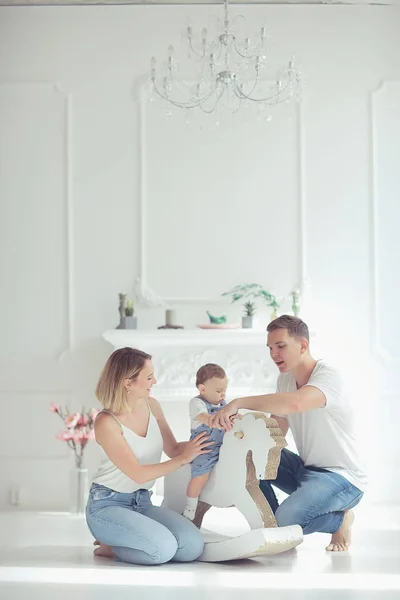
(193, 2)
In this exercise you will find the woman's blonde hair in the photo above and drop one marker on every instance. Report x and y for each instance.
(125, 363)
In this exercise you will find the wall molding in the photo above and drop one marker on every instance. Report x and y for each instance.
(384, 354)
(143, 288)
(66, 344)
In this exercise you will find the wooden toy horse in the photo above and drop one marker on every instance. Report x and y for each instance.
(250, 452)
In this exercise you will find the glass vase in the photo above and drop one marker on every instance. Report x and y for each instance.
(79, 490)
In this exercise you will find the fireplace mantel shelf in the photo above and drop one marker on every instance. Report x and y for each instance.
(137, 338)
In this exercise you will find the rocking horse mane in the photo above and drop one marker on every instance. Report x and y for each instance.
(271, 468)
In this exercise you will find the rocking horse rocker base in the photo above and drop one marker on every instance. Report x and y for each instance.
(250, 451)
(252, 544)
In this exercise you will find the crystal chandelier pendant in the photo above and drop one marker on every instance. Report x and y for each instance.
(231, 73)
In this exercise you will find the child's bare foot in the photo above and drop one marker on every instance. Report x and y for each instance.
(341, 540)
(103, 550)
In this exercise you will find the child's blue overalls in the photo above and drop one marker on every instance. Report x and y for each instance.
(204, 463)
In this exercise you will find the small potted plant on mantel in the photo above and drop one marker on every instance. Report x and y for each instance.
(130, 319)
(126, 309)
(249, 311)
(252, 292)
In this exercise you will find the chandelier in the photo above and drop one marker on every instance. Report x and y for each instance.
(232, 73)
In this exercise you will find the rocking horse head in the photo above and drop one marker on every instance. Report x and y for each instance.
(259, 439)
(250, 451)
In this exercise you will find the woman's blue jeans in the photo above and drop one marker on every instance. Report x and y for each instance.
(139, 532)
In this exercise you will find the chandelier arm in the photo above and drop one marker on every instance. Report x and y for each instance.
(246, 56)
(268, 98)
(193, 49)
(188, 104)
(209, 112)
(218, 98)
(186, 90)
(241, 94)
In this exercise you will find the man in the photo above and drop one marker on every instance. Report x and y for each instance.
(326, 479)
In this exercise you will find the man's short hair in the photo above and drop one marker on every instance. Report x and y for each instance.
(295, 326)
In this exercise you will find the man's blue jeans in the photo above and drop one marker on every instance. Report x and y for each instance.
(317, 497)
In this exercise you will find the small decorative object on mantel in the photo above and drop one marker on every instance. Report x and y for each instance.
(78, 430)
(218, 323)
(170, 317)
(296, 302)
(253, 291)
(121, 310)
(249, 311)
(126, 313)
(130, 320)
(170, 320)
(216, 320)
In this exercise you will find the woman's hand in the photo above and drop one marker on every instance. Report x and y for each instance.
(199, 445)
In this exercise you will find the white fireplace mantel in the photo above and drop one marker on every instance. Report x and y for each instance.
(178, 353)
(136, 338)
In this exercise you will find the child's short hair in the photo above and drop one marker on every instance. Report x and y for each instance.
(209, 371)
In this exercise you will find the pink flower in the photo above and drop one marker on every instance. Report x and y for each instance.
(93, 413)
(83, 421)
(82, 437)
(79, 436)
(72, 420)
(65, 436)
(54, 407)
(90, 435)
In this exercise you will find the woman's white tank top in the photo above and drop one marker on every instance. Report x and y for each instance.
(147, 450)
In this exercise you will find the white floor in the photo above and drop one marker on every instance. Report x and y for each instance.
(49, 555)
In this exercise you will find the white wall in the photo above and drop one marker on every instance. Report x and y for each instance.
(74, 170)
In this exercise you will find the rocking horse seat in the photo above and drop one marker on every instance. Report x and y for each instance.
(250, 451)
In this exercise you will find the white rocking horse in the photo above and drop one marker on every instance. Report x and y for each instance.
(250, 451)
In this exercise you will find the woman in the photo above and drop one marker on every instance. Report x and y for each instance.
(132, 432)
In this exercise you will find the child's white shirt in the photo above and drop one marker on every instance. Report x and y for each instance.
(197, 407)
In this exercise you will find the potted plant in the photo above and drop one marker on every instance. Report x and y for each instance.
(249, 311)
(130, 319)
(252, 292)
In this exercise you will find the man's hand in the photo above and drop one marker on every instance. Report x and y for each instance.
(223, 419)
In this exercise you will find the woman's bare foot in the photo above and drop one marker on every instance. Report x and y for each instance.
(341, 540)
(103, 550)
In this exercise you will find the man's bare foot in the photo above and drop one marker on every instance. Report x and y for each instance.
(341, 540)
(103, 550)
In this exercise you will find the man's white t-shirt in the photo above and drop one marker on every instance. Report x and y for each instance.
(325, 437)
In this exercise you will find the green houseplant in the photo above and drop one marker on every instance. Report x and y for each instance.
(251, 292)
(249, 311)
(130, 319)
